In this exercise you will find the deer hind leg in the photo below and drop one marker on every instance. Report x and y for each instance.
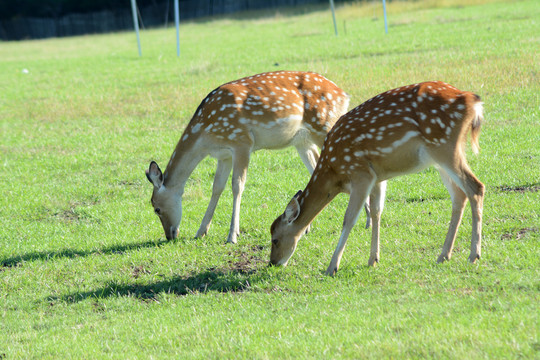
(240, 166)
(377, 203)
(220, 180)
(459, 199)
(359, 194)
(368, 212)
(463, 177)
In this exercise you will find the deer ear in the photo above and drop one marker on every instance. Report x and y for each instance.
(293, 209)
(154, 175)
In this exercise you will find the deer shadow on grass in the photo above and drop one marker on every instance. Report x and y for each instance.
(18, 260)
(210, 280)
(233, 276)
(223, 280)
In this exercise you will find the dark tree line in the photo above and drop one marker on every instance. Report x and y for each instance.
(36, 19)
(10, 9)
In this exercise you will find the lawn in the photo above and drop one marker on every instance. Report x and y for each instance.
(85, 269)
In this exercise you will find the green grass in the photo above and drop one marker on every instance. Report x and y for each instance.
(85, 271)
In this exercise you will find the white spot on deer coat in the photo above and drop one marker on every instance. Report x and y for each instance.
(408, 135)
(196, 128)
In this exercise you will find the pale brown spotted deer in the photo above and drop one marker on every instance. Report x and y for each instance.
(265, 111)
(397, 132)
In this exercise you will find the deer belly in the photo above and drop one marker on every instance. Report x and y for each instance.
(406, 160)
(275, 134)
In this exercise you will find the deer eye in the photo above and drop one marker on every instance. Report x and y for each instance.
(157, 210)
(275, 241)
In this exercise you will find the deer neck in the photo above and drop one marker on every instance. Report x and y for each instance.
(321, 189)
(185, 158)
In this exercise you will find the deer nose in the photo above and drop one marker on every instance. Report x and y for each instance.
(277, 262)
(173, 233)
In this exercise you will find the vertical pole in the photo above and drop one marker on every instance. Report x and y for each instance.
(136, 24)
(177, 24)
(333, 16)
(385, 21)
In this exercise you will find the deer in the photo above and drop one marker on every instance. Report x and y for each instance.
(271, 110)
(398, 132)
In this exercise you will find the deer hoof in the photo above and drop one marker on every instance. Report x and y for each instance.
(331, 271)
(232, 238)
(201, 233)
(473, 258)
(373, 261)
(442, 258)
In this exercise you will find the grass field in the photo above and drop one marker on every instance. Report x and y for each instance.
(85, 270)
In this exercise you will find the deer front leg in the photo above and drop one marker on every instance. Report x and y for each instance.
(240, 166)
(359, 194)
(220, 180)
(309, 155)
(377, 203)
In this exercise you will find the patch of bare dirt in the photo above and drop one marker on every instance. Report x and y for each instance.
(137, 271)
(520, 188)
(518, 233)
(247, 262)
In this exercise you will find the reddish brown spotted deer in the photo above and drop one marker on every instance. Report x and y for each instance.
(265, 111)
(397, 132)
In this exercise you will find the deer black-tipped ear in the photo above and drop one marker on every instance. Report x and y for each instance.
(154, 175)
(292, 211)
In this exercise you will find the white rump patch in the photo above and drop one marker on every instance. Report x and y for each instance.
(479, 109)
